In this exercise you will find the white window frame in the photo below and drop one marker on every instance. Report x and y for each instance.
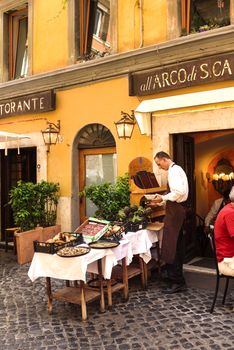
(99, 22)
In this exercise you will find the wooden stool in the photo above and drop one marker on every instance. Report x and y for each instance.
(123, 285)
(10, 236)
(134, 269)
(79, 294)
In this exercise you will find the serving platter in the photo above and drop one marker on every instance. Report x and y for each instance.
(101, 244)
(71, 252)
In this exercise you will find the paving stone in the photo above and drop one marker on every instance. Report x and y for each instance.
(149, 320)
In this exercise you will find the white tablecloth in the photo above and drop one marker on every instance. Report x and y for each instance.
(47, 265)
(109, 261)
(142, 241)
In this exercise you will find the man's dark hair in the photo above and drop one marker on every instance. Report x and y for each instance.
(161, 155)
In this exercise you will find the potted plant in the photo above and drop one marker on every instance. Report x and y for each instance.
(109, 198)
(34, 209)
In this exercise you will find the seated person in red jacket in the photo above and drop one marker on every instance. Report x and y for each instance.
(224, 237)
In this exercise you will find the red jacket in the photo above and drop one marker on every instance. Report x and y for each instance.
(224, 233)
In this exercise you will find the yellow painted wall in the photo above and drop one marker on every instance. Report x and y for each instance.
(154, 21)
(99, 103)
(154, 28)
(75, 108)
(50, 29)
(50, 37)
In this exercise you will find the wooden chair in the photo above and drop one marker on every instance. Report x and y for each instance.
(10, 237)
(201, 237)
(218, 274)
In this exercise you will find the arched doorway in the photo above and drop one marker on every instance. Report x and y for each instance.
(97, 162)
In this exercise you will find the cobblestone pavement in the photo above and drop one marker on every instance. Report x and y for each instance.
(149, 320)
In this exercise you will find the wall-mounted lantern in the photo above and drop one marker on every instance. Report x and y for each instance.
(50, 134)
(125, 125)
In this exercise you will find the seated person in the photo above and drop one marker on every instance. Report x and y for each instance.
(224, 237)
(215, 209)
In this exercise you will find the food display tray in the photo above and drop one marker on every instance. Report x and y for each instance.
(103, 244)
(135, 226)
(52, 248)
(115, 236)
(92, 229)
(86, 250)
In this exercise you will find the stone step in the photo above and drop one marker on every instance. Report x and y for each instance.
(202, 276)
(199, 269)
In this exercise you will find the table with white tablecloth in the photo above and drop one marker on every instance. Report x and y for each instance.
(142, 241)
(100, 261)
(75, 268)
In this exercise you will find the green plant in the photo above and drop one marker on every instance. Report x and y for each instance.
(109, 198)
(34, 204)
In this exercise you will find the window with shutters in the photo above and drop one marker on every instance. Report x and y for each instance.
(199, 15)
(17, 43)
(92, 28)
(15, 39)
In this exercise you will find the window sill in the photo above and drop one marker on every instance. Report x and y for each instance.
(208, 33)
(181, 49)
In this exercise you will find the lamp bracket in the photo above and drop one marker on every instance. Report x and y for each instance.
(57, 126)
(126, 116)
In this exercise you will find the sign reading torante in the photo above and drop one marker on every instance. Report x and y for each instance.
(33, 103)
(200, 71)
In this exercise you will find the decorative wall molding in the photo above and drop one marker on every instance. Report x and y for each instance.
(117, 65)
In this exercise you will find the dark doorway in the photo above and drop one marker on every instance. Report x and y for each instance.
(14, 167)
(183, 155)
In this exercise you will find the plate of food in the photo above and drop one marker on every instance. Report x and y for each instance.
(102, 244)
(71, 252)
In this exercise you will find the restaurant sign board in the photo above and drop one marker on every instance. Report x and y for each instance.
(34, 103)
(177, 76)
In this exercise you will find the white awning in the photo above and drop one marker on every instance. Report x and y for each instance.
(9, 136)
(145, 108)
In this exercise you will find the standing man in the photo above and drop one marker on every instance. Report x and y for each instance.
(172, 243)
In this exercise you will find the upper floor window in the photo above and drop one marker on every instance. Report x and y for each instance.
(92, 28)
(101, 26)
(18, 43)
(200, 15)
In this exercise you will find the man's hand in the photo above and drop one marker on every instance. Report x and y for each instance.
(154, 202)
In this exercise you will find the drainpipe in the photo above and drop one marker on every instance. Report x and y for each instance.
(141, 23)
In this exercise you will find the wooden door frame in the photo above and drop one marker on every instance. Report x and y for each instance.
(188, 164)
(81, 170)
